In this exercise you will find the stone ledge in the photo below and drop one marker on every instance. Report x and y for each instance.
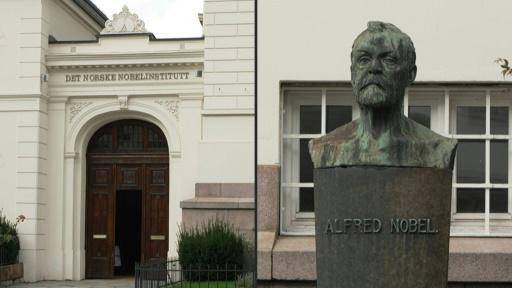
(471, 259)
(218, 203)
(245, 190)
(480, 260)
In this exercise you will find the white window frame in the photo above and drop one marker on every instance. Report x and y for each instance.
(302, 222)
(443, 113)
(481, 224)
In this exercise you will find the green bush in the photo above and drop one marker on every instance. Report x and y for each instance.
(212, 245)
(9, 242)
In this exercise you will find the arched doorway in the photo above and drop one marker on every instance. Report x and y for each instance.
(127, 197)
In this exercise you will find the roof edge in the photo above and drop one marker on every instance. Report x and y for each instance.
(150, 35)
(93, 11)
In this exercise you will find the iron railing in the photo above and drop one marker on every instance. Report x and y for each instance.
(172, 275)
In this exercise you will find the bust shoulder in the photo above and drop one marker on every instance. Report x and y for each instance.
(415, 146)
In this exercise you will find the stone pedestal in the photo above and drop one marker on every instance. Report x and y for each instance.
(382, 227)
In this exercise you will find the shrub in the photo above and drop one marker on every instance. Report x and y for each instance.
(9, 242)
(213, 245)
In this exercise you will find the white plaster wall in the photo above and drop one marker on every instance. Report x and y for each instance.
(8, 163)
(23, 119)
(23, 44)
(22, 37)
(309, 40)
(227, 143)
(53, 266)
(65, 26)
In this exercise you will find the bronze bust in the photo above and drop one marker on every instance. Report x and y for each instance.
(383, 65)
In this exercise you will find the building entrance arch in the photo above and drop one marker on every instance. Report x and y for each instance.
(127, 197)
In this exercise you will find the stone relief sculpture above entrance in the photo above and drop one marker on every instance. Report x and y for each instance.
(124, 22)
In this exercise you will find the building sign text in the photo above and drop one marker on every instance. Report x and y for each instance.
(117, 77)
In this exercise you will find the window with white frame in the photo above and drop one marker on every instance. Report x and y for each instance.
(477, 116)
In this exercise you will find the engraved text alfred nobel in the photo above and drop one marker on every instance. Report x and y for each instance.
(374, 225)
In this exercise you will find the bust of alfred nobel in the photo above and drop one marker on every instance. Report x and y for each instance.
(383, 65)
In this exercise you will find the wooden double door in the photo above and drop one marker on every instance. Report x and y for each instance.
(107, 177)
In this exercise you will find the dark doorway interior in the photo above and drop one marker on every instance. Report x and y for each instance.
(128, 231)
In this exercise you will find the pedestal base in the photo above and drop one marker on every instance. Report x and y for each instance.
(382, 227)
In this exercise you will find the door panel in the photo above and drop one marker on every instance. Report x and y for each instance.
(100, 221)
(156, 212)
(129, 177)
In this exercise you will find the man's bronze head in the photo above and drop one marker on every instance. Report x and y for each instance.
(383, 65)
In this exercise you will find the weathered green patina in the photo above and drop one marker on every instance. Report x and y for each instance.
(383, 65)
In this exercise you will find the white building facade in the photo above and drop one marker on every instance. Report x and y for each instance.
(91, 111)
(304, 92)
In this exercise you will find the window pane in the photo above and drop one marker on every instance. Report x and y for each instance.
(306, 202)
(291, 149)
(470, 120)
(420, 114)
(130, 137)
(156, 140)
(102, 142)
(499, 201)
(471, 161)
(470, 200)
(499, 120)
(310, 119)
(499, 161)
(306, 164)
(293, 101)
(306, 199)
(337, 116)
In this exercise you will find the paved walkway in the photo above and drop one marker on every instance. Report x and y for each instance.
(113, 283)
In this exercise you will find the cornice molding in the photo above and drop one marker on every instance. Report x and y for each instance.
(227, 112)
(190, 58)
(81, 66)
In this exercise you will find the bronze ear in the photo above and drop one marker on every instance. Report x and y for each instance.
(412, 74)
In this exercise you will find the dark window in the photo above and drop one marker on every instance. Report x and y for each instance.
(306, 203)
(103, 141)
(499, 161)
(156, 140)
(128, 136)
(306, 199)
(499, 201)
(470, 200)
(471, 161)
(420, 114)
(337, 115)
(499, 120)
(310, 123)
(310, 119)
(470, 120)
